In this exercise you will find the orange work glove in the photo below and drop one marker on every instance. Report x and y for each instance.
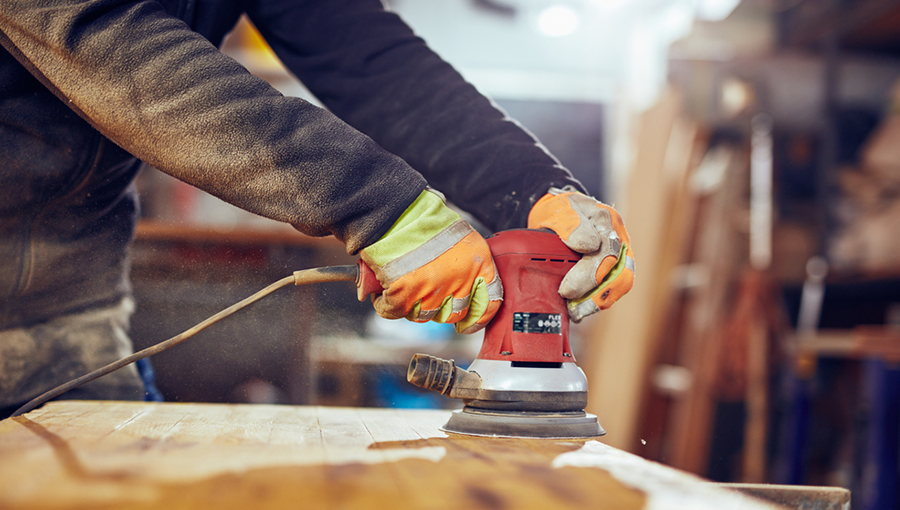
(605, 272)
(434, 266)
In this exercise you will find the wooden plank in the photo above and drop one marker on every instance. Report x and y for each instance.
(686, 146)
(137, 455)
(795, 496)
(615, 354)
(757, 402)
(719, 248)
(659, 215)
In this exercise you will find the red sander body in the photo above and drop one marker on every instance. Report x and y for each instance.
(524, 381)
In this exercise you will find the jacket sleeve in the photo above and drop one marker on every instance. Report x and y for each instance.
(165, 94)
(367, 66)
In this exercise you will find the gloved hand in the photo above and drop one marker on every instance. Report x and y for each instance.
(434, 266)
(605, 272)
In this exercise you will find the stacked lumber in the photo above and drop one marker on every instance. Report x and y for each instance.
(697, 328)
(621, 343)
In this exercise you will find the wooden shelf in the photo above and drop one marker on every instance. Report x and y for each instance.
(857, 343)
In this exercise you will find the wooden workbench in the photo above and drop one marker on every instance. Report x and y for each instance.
(76, 454)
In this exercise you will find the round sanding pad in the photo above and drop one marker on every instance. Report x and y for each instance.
(478, 422)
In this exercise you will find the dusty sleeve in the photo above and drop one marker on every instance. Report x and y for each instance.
(165, 94)
(370, 68)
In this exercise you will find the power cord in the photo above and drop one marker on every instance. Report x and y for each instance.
(303, 277)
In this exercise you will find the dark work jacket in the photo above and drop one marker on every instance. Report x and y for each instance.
(90, 87)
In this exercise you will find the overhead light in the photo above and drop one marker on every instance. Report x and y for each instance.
(677, 21)
(737, 96)
(716, 10)
(557, 21)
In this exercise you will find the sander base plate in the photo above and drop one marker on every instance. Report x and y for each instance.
(494, 423)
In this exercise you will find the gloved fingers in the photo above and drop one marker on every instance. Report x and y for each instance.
(586, 274)
(595, 227)
(468, 309)
(446, 277)
(384, 307)
(553, 211)
(469, 314)
(615, 282)
(485, 301)
(571, 216)
(426, 272)
(593, 267)
(579, 309)
(606, 270)
(618, 288)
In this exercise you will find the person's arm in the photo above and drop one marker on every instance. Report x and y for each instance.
(169, 97)
(368, 67)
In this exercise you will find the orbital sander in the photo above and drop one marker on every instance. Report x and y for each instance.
(524, 381)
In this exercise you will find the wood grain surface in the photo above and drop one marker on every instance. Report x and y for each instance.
(74, 454)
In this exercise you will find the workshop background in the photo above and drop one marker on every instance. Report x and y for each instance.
(753, 149)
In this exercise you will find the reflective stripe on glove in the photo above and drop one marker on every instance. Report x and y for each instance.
(605, 272)
(434, 266)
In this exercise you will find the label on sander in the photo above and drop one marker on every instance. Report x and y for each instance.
(525, 322)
